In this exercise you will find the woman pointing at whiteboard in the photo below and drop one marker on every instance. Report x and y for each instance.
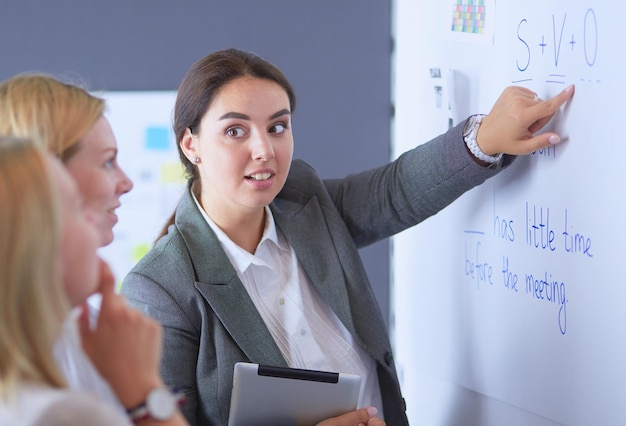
(260, 261)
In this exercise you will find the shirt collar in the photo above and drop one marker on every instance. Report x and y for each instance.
(240, 258)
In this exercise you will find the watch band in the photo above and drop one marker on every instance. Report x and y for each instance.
(469, 136)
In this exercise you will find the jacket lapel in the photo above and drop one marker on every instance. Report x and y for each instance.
(219, 284)
(314, 247)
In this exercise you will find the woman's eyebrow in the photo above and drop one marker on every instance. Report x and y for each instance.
(283, 111)
(241, 116)
(234, 115)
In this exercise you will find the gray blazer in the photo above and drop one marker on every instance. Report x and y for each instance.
(188, 284)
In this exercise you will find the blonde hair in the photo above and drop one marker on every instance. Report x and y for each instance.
(41, 107)
(33, 303)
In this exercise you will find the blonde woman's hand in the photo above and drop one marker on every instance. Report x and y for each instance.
(124, 345)
(516, 116)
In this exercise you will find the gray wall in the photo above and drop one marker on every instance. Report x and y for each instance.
(335, 52)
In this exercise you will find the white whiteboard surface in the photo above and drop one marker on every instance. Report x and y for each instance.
(508, 305)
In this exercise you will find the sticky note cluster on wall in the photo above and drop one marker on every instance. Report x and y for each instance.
(468, 16)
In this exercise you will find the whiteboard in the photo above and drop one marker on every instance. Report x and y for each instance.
(508, 305)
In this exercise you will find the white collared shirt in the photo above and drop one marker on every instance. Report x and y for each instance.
(306, 330)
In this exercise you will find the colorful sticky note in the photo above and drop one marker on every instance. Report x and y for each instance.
(157, 138)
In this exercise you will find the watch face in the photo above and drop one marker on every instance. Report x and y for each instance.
(469, 124)
(161, 404)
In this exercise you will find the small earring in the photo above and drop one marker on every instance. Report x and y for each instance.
(196, 160)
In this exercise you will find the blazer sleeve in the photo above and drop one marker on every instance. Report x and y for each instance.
(181, 338)
(381, 202)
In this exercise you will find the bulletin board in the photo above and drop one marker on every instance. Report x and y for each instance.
(142, 124)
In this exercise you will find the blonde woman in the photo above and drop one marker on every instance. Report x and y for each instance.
(48, 243)
(69, 121)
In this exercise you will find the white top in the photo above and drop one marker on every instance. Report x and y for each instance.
(36, 405)
(80, 373)
(306, 330)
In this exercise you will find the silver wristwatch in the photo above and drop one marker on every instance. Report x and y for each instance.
(470, 130)
(161, 404)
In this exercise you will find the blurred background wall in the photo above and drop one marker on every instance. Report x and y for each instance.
(337, 54)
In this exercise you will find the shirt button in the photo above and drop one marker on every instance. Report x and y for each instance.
(302, 332)
(281, 301)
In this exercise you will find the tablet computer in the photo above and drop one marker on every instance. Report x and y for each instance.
(282, 396)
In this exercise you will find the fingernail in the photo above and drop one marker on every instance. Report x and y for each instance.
(554, 139)
(372, 411)
(569, 88)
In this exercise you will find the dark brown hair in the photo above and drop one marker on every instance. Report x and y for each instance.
(202, 84)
